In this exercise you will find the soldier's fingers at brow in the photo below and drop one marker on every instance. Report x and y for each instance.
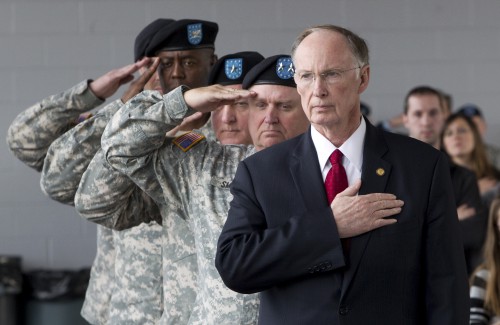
(143, 79)
(151, 70)
(154, 64)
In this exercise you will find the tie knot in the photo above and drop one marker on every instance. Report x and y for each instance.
(336, 157)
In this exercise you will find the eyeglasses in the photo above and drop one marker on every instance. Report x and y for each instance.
(331, 77)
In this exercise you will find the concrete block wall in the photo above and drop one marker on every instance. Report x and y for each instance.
(50, 45)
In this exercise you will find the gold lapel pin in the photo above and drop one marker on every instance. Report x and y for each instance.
(380, 171)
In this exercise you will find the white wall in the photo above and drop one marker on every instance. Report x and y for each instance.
(50, 45)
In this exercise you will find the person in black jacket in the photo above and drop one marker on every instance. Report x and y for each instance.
(424, 117)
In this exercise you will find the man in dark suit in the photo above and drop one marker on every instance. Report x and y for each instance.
(365, 258)
(424, 116)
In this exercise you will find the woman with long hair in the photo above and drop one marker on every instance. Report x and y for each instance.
(485, 282)
(461, 140)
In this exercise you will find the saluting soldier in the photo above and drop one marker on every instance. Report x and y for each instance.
(199, 173)
(137, 297)
(104, 191)
(35, 129)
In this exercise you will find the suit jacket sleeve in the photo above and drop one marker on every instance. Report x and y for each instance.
(446, 284)
(253, 256)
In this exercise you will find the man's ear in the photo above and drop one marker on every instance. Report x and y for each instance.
(364, 78)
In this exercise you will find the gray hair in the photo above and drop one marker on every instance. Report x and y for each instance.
(357, 45)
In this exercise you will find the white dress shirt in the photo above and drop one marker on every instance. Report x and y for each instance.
(352, 149)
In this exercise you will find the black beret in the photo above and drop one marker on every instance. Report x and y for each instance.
(275, 70)
(184, 34)
(144, 38)
(232, 68)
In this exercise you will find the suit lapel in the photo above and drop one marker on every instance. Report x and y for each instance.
(304, 168)
(374, 175)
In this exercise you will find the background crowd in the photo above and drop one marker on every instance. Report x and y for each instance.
(460, 131)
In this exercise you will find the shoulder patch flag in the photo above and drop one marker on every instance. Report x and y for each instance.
(188, 140)
(81, 118)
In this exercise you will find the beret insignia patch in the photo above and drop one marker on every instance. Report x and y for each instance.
(233, 68)
(285, 68)
(195, 34)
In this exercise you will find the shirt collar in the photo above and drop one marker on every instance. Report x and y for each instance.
(352, 148)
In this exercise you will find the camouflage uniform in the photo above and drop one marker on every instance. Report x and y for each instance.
(95, 309)
(102, 197)
(32, 132)
(29, 138)
(135, 266)
(134, 143)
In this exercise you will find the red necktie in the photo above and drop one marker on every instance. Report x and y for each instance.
(336, 182)
(336, 179)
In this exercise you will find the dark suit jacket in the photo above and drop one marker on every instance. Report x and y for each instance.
(281, 239)
(473, 229)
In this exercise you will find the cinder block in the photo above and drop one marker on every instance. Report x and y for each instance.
(104, 17)
(47, 17)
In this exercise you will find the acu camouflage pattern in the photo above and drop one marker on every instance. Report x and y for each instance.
(134, 143)
(101, 286)
(69, 155)
(138, 296)
(32, 131)
(66, 161)
(29, 138)
(180, 265)
(103, 197)
(111, 199)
